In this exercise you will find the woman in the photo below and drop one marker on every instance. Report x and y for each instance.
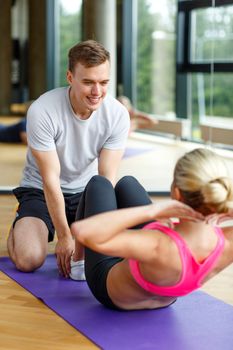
(160, 261)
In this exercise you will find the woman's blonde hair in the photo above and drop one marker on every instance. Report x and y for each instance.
(203, 180)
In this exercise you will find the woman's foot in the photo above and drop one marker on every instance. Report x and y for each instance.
(77, 272)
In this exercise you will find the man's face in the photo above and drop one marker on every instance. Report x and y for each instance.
(88, 86)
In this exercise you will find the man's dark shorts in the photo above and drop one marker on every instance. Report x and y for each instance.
(32, 203)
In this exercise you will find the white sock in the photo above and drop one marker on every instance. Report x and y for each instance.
(77, 270)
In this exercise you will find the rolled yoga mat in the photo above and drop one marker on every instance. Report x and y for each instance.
(195, 322)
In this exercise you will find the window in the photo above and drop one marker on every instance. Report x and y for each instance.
(69, 32)
(205, 65)
(212, 34)
(149, 42)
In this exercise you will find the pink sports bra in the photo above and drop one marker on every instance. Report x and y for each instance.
(193, 272)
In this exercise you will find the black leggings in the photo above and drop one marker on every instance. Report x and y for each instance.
(100, 196)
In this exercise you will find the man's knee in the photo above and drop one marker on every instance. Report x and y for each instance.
(27, 256)
(29, 261)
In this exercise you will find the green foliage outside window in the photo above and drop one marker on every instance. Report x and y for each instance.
(70, 34)
(155, 73)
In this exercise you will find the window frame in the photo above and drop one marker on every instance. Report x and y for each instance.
(184, 66)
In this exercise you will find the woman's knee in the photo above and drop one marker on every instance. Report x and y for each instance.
(130, 193)
(99, 196)
(126, 181)
(98, 181)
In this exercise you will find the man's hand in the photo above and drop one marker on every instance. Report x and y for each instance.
(63, 250)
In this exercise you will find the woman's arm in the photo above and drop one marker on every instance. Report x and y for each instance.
(107, 232)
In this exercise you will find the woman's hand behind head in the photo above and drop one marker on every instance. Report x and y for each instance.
(171, 208)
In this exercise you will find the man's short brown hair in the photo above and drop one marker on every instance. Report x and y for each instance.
(89, 53)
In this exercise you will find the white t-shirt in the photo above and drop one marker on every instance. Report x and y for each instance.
(52, 125)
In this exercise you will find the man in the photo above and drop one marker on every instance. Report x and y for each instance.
(73, 134)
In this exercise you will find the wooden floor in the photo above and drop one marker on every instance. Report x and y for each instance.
(25, 322)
